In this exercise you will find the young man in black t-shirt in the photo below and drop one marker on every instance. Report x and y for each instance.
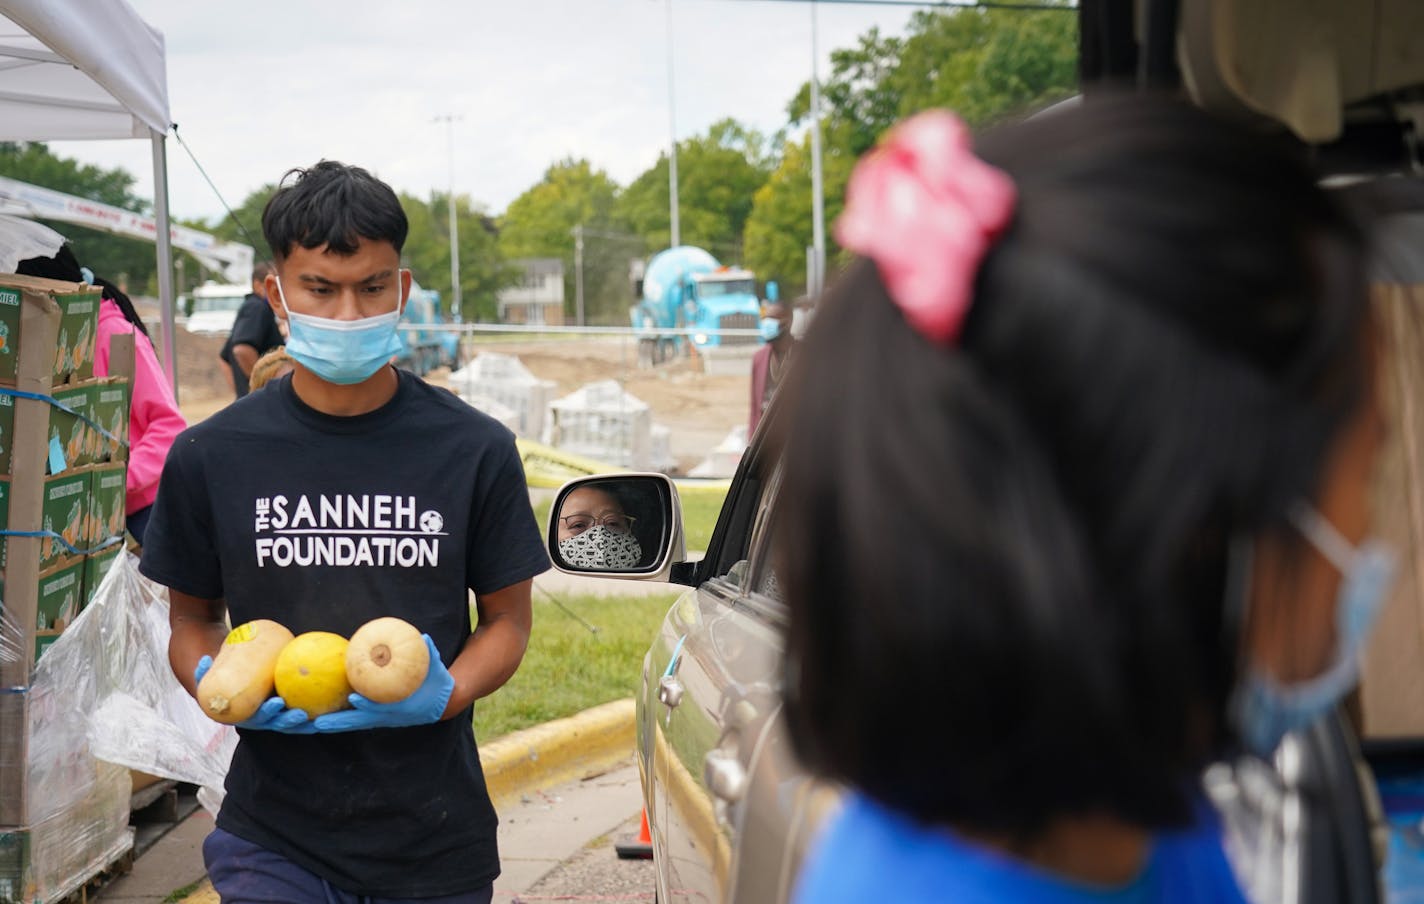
(254, 332)
(344, 492)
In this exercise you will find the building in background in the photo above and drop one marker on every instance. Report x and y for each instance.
(538, 297)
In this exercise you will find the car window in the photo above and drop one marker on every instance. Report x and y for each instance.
(750, 512)
(762, 571)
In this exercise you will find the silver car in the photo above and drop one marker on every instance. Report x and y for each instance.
(730, 811)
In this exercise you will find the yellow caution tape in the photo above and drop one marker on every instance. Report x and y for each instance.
(550, 468)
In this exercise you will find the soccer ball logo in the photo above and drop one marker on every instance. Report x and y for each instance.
(431, 522)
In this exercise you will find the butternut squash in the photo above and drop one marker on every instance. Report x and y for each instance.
(241, 677)
(387, 660)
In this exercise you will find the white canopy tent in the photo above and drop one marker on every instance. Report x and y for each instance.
(90, 69)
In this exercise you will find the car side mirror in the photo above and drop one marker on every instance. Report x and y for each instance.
(617, 525)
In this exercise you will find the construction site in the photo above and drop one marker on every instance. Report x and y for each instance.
(697, 409)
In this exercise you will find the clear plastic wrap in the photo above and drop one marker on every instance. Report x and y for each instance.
(603, 421)
(53, 857)
(142, 717)
(12, 647)
(504, 380)
(103, 700)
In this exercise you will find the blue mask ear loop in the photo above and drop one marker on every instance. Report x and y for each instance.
(282, 297)
(1324, 536)
(400, 294)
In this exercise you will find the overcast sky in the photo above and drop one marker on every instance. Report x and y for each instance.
(258, 86)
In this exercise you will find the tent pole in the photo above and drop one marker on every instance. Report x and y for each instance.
(165, 256)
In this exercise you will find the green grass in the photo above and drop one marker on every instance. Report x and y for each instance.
(699, 515)
(569, 668)
(700, 507)
(541, 514)
(181, 893)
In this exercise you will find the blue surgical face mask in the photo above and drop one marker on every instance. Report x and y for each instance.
(342, 351)
(1266, 710)
(770, 328)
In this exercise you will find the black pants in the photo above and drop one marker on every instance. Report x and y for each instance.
(244, 873)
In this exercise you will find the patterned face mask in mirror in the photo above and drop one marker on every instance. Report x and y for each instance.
(600, 549)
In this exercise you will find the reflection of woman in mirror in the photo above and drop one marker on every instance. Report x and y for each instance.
(596, 533)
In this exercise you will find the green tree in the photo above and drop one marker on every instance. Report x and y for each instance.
(779, 228)
(860, 99)
(120, 258)
(986, 64)
(541, 221)
(718, 173)
(244, 224)
(483, 270)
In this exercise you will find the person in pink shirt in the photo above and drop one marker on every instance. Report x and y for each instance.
(154, 418)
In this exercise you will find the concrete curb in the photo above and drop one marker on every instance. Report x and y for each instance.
(523, 762)
(563, 750)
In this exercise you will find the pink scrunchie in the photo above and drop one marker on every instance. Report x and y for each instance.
(926, 210)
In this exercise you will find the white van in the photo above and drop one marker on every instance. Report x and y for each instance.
(212, 307)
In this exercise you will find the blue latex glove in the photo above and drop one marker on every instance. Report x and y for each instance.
(272, 715)
(424, 706)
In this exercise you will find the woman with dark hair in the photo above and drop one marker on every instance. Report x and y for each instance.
(154, 418)
(1092, 512)
(596, 532)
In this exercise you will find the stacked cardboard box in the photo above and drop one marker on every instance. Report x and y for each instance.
(63, 815)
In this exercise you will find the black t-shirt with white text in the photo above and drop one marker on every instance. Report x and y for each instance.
(323, 523)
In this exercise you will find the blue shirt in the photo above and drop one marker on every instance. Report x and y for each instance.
(871, 853)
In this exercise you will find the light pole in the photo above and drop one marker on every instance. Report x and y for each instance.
(578, 274)
(818, 196)
(456, 308)
(672, 135)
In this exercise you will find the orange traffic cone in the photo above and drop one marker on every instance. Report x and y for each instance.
(636, 848)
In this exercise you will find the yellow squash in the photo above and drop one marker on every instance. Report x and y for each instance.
(242, 674)
(311, 673)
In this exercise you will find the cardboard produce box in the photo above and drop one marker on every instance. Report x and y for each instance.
(111, 411)
(105, 512)
(61, 599)
(64, 509)
(44, 639)
(61, 594)
(72, 356)
(7, 430)
(70, 431)
(79, 443)
(96, 566)
(35, 363)
(4, 519)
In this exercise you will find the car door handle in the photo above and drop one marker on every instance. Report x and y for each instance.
(725, 777)
(669, 691)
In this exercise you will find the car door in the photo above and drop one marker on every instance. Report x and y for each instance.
(782, 806)
(718, 661)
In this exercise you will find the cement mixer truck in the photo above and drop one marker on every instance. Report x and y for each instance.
(685, 288)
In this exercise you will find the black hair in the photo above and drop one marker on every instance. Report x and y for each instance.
(64, 266)
(1005, 560)
(335, 205)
